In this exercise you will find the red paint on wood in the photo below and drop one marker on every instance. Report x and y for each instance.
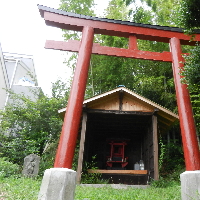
(69, 133)
(73, 45)
(67, 143)
(187, 124)
(70, 45)
(132, 42)
(129, 53)
(113, 29)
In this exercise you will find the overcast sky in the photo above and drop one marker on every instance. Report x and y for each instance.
(23, 31)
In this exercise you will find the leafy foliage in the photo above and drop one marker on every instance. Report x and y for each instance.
(91, 178)
(192, 68)
(173, 159)
(27, 125)
(163, 183)
(78, 6)
(17, 148)
(48, 157)
(84, 7)
(190, 14)
(163, 12)
(190, 20)
(154, 80)
(7, 168)
(191, 76)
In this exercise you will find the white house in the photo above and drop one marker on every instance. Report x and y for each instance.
(17, 73)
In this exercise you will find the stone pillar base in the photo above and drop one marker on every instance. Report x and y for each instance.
(58, 184)
(190, 185)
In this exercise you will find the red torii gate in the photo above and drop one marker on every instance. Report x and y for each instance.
(93, 25)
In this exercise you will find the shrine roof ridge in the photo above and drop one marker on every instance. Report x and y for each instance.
(125, 89)
(70, 14)
(141, 97)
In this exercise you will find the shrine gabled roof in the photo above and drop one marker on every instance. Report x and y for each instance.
(135, 95)
(141, 98)
(124, 102)
(70, 14)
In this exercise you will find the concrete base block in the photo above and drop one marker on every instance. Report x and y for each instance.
(190, 185)
(58, 184)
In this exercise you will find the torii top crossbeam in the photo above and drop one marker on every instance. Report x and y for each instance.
(67, 20)
(92, 25)
(131, 30)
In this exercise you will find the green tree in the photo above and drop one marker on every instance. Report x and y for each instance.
(163, 12)
(28, 125)
(154, 80)
(190, 14)
(190, 20)
(191, 75)
(84, 7)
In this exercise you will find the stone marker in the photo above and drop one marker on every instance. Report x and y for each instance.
(190, 185)
(58, 184)
(31, 165)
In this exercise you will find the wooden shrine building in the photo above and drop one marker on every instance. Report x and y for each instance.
(121, 128)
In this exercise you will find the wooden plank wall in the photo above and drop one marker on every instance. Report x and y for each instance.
(81, 148)
(148, 152)
(145, 150)
(155, 146)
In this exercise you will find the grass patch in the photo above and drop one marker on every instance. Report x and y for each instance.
(21, 188)
(108, 193)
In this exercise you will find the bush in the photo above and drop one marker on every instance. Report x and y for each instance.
(91, 178)
(47, 158)
(17, 148)
(191, 76)
(27, 125)
(163, 183)
(7, 168)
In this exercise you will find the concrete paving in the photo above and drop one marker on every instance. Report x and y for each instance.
(115, 186)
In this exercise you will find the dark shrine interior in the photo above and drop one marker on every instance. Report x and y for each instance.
(103, 128)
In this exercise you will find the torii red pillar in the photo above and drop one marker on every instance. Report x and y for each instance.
(67, 144)
(187, 124)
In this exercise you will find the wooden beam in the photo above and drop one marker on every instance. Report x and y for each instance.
(132, 42)
(104, 171)
(81, 149)
(73, 45)
(155, 146)
(167, 123)
(118, 112)
(121, 95)
(116, 29)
